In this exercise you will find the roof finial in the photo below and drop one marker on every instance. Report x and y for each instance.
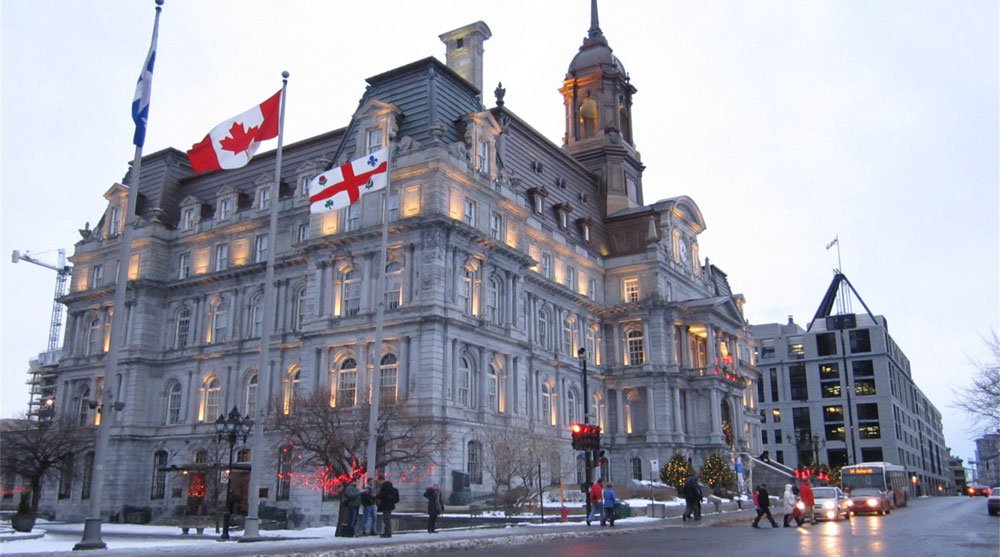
(595, 27)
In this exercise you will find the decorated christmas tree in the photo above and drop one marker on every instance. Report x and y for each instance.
(676, 471)
(717, 472)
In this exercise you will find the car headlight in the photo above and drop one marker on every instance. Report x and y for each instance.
(872, 502)
(850, 503)
(828, 505)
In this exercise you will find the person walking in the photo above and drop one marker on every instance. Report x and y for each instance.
(609, 504)
(368, 508)
(435, 506)
(788, 500)
(352, 498)
(596, 502)
(692, 499)
(808, 500)
(388, 496)
(764, 507)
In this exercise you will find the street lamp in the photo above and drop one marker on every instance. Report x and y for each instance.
(231, 428)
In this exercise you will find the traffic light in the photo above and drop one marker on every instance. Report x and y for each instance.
(585, 436)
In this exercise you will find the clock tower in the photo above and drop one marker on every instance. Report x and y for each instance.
(597, 94)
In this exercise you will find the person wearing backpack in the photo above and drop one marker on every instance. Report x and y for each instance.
(388, 496)
(368, 508)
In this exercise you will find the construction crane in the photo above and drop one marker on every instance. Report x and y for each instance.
(41, 381)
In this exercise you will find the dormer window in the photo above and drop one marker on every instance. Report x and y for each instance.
(537, 197)
(115, 225)
(483, 152)
(187, 218)
(585, 224)
(225, 208)
(264, 198)
(562, 214)
(373, 140)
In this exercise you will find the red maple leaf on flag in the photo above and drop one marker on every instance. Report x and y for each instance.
(239, 140)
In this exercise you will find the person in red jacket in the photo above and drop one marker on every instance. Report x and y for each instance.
(806, 494)
(596, 502)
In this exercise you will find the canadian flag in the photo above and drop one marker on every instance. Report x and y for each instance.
(232, 143)
(341, 186)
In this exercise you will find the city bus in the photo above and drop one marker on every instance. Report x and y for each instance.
(886, 477)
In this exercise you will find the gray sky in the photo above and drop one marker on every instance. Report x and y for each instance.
(788, 123)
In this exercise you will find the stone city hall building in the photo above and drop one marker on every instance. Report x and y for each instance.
(507, 254)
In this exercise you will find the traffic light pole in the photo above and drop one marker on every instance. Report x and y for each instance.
(589, 462)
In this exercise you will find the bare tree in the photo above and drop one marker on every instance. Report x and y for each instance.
(512, 460)
(981, 400)
(35, 449)
(334, 440)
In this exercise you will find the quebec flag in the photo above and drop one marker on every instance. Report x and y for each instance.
(143, 88)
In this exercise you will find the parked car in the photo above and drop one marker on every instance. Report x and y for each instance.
(993, 501)
(977, 490)
(869, 500)
(831, 503)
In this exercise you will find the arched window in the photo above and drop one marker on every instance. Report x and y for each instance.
(346, 384)
(211, 399)
(600, 410)
(95, 335)
(256, 316)
(220, 321)
(542, 328)
(572, 410)
(393, 285)
(635, 354)
(351, 294)
(389, 370)
(569, 336)
(463, 381)
(494, 295)
(291, 389)
(548, 408)
(83, 406)
(594, 344)
(299, 309)
(174, 403)
(183, 328)
(493, 389)
(250, 402)
(475, 462)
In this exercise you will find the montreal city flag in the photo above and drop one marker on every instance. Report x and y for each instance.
(343, 185)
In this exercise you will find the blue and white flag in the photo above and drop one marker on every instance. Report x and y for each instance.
(143, 88)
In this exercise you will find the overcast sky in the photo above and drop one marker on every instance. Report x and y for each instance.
(789, 124)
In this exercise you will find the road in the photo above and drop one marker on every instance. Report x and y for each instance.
(931, 527)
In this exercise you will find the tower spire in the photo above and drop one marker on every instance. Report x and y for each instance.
(595, 26)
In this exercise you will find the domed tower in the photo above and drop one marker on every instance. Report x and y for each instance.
(598, 99)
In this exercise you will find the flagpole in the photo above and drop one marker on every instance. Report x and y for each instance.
(251, 528)
(379, 316)
(105, 404)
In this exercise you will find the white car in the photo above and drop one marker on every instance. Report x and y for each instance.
(831, 503)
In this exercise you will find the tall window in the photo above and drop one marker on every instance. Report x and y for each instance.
(260, 249)
(352, 217)
(83, 407)
(221, 257)
(463, 381)
(868, 424)
(225, 208)
(299, 309)
(250, 402)
(347, 383)
(493, 292)
(475, 462)
(373, 140)
(468, 284)
(393, 285)
(571, 278)
(184, 266)
(572, 410)
(264, 198)
(594, 344)
(864, 378)
(302, 233)
(96, 275)
(389, 370)
(66, 478)
(496, 226)
(469, 212)
(174, 403)
(394, 207)
(547, 265)
(548, 408)
(211, 399)
(631, 287)
(484, 157)
(569, 337)
(829, 380)
(95, 336)
(351, 293)
(635, 345)
(493, 389)
(183, 328)
(87, 477)
(284, 487)
(159, 488)
(542, 328)
(798, 383)
(187, 218)
(115, 227)
(637, 468)
(220, 321)
(256, 317)
(833, 422)
(292, 381)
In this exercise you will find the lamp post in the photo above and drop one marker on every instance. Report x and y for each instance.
(231, 428)
(588, 462)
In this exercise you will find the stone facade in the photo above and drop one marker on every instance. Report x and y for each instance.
(506, 255)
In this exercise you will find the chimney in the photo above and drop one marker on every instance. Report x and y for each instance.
(791, 320)
(464, 51)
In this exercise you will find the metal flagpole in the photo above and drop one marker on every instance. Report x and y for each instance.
(92, 526)
(251, 528)
(379, 314)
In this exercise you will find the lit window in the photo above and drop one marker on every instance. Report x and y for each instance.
(631, 286)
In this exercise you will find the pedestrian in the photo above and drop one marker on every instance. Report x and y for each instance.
(352, 498)
(692, 499)
(368, 508)
(596, 497)
(435, 506)
(388, 496)
(609, 505)
(763, 507)
(808, 500)
(788, 500)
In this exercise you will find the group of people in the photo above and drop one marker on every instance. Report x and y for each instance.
(366, 502)
(789, 505)
(602, 503)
